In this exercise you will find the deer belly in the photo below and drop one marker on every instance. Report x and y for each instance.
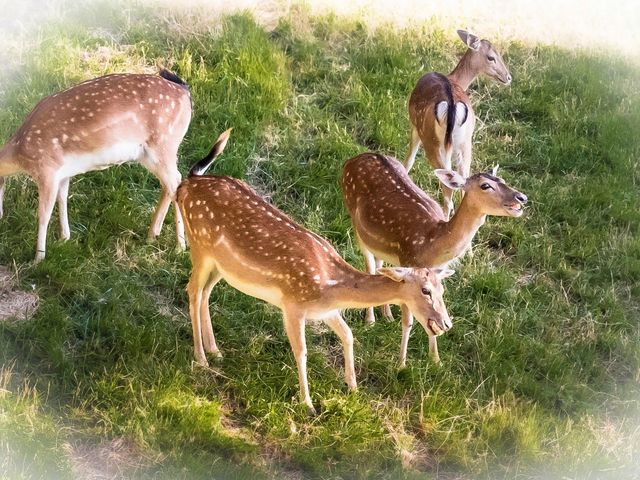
(380, 247)
(253, 288)
(76, 163)
(388, 257)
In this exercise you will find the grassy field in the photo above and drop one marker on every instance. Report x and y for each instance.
(541, 372)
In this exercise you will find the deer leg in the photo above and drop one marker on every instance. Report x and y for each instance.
(464, 169)
(2, 187)
(161, 212)
(447, 193)
(433, 350)
(169, 176)
(370, 261)
(63, 194)
(464, 160)
(210, 345)
(407, 324)
(439, 157)
(342, 330)
(414, 146)
(386, 308)
(200, 275)
(180, 237)
(47, 192)
(294, 326)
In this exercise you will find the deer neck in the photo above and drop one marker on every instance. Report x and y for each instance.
(8, 165)
(360, 290)
(463, 226)
(465, 72)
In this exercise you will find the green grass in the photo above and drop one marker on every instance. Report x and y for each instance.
(541, 372)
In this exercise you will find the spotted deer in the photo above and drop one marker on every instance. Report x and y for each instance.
(396, 222)
(440, 110)
(101, 122)
(236, 235)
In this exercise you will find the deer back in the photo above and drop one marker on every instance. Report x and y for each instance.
(433, 119)
(253, 243)
(107, 120)
(390, 213)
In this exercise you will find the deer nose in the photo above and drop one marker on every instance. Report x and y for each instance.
(522, 198)
(448, 323)
(509, 78)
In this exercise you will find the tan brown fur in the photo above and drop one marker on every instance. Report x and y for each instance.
(93, 125)
(431, 90)
(234, 234)
(395, 221)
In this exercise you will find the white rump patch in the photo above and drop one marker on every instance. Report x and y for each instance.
(461, 113)
(441, 112)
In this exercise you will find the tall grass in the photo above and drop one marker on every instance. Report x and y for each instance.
(540, 375)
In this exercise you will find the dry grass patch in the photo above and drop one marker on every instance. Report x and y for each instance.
(15, 304)
(116, 458)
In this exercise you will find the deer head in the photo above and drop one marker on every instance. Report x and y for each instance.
(424, 287)
(486, 192)
(485, 58)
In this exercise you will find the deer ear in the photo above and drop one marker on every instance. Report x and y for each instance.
(443, 273)
(469, 39)
(450, 178)
(394, 273)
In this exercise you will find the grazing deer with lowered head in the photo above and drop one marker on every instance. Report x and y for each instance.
(101, 122)
(395, 221)
(237, 236)
(440, 111)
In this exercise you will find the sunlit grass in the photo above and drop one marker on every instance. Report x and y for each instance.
(540, 375)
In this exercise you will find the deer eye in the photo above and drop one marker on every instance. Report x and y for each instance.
(427, 292)
(490, 58)
(486, 186)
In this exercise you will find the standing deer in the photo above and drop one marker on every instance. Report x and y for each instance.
(101, 122)
(440, 111)
(395, 221)
(234, 234)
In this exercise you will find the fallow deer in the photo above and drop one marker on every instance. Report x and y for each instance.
(395, 221)
(440, 111)
(101, 122)
(236, 235)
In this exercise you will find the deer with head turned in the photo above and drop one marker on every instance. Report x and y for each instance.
(396, 222)
(440, 111)
(236, 235)
(101, 122)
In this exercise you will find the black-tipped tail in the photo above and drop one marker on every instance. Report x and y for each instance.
(172, 77)
(454, 117)
(451, 108)
(202, 166)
